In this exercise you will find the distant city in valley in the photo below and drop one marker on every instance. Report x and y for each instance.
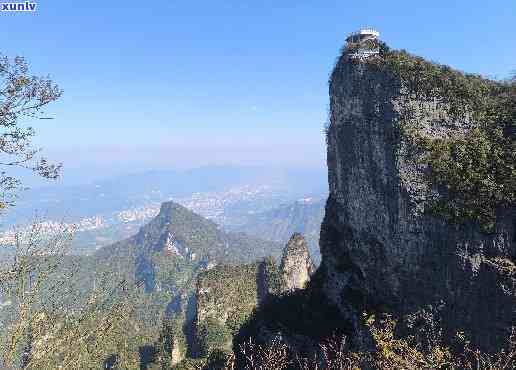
(232, 208)
(258, 185)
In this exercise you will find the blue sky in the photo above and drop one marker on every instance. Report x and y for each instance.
(186, 83)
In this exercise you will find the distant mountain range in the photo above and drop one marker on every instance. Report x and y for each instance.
(108, 211)
(304, 216)
(183, 238)
(164, 246)
(165, 255)
(134, 190)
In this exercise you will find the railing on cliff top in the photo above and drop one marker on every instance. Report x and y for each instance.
(363, 43)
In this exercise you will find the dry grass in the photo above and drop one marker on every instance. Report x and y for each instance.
(391, 353)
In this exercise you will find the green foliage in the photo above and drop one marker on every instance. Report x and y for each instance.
(79, 299)
(227, 295)
(231, 290)
(82, 335)
(168, 276)
(458, 93)
(173, 273)
(273, 278)
(213, 335)
(392, 352)
(219, 360)
(301, 312)
(475, 172)
(191, 364)
(478, 172)
(22, 96)
(387, 350)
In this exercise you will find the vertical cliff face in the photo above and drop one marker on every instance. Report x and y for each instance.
(381, 247)
(226, 297)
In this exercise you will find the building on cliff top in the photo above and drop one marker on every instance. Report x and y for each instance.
(363, 43)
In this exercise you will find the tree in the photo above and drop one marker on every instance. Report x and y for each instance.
(53, 316)
(21, 97)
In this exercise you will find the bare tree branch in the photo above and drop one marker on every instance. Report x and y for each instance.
(21, 96)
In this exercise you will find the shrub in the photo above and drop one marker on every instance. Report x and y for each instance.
(475, 172)
(213, 335)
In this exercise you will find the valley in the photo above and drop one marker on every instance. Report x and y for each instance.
(258, 186)
(236, 206)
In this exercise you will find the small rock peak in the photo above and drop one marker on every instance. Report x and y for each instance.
(297, 244)
(296, 263)
(171, 211)
(167, 208)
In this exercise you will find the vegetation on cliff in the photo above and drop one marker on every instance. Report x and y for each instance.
(473, 170)
(238, 306)
(130, 325)
(226, 297)
(389, 351)
(476, 171)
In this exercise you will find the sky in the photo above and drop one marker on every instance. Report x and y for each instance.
(157, 84)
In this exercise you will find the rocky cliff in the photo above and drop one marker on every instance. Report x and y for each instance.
(226, 297)
(303, 216)
(178, 238)
(418, 240)
(166, 256)
(384, 246)
(296, 264)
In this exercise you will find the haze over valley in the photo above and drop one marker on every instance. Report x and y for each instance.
(234, 185)
(104, 212)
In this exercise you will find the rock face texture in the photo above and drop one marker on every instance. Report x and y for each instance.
(177, 340)
(227, 296)
(179, 235)
(296, 264)
(303, 216)
(381, 249)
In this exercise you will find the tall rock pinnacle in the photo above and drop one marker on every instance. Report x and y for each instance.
(296, 264)
(380, 244)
